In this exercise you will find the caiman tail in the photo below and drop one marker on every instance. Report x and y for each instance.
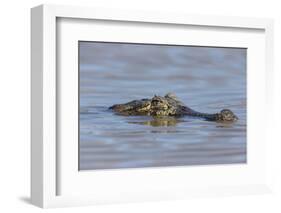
(223, 115)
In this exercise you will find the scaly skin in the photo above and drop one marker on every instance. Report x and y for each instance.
(169, 105)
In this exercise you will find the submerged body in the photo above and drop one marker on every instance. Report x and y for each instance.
(169, 105)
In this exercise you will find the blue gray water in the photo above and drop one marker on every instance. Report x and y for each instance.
(206, 79)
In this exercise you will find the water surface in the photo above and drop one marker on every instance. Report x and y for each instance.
(205, 79)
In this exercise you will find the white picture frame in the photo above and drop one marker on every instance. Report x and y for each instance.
(45, 168)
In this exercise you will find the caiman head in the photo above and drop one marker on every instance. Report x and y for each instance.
(157, 106)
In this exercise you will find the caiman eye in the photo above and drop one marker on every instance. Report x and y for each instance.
(155, 101)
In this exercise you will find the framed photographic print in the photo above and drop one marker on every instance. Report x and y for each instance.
(132, 106)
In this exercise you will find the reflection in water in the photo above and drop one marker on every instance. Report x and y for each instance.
(159, 121)
(225, 125)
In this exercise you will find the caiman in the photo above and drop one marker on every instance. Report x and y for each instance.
(169, 105)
